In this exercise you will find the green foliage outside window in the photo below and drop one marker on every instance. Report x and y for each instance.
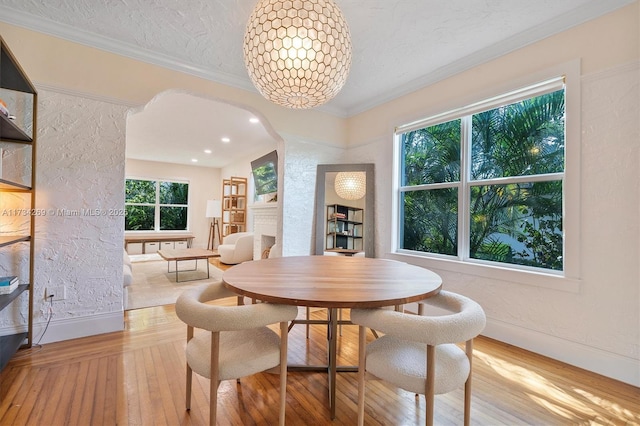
(174, 193)
(139, 218)
(140, 191)
(145, 198)
(518, 222)
(173, 218)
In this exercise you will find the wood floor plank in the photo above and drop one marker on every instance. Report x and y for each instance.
(40, 407)
(137, 377)
(121, 412)
(10, 384)
(26, 401)
(66, 390)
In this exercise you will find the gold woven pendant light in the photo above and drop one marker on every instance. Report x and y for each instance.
(351, 185)
(297, 53)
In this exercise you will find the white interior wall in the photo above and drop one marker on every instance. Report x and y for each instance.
(299, 192)
(596, 327)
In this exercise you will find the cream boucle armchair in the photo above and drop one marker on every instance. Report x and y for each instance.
(236, 248)
(419, 353)
(238, 344)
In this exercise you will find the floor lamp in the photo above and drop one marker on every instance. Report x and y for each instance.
(214, 211)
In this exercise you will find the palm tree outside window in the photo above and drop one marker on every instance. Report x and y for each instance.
(485, 183)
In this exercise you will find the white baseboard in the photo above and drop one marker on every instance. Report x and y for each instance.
(605, 363)
(608, 364)
(73, 328)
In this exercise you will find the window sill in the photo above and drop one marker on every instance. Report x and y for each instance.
(156, 233)
(532, 278)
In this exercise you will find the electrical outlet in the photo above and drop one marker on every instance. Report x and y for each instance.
(58, 293)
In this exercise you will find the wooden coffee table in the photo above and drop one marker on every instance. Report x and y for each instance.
(178, 255)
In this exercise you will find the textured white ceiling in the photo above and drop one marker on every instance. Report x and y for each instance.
(196, 124)
(398, 45)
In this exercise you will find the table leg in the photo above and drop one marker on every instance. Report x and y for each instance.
(176, 271)
(331, 368)
(332, 337)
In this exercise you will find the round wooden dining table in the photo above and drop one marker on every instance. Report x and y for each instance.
(332, 282)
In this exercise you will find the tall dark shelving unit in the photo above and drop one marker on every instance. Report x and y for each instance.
(18, 141)
(344, 229)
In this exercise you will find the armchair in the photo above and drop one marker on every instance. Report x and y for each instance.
(420, 353)
(236, 248)
(238, 342)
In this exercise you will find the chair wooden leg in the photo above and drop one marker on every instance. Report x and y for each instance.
(467, 385)
(430, 384)
(308, 310)
(214, 382)
(188, 387)
(189, 373)
(283, 371)
(362, 347)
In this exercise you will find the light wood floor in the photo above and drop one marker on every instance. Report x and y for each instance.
(136, 377)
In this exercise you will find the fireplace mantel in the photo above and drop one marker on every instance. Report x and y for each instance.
(258, 206)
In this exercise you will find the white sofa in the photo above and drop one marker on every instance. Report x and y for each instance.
(127, 276)
(236, 248)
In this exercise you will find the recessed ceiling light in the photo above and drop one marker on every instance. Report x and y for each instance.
(254, 120)
(207, 151)
(225, 140)
(194, 160)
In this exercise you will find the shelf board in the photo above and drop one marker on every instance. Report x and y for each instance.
(13, 76)
(338, 234)
(5, 299)
(6, 240)
(7, 185)
(354, 222)
(348, 252)
(9, 132)
(9, 345)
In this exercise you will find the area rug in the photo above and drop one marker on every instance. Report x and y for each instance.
(152, 285)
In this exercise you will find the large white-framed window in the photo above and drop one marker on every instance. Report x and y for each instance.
(156, 205)
(493, 187)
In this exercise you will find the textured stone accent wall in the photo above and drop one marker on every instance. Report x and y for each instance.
(80, 190)
(299, 189)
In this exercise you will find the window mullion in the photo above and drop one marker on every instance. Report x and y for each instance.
(546, 177)
(464, 216)
(156, 219)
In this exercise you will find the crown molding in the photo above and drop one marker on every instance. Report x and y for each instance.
(594, 9)
(73, 34)
(85, 95)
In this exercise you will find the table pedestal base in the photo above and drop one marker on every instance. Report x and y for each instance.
(332, 367)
